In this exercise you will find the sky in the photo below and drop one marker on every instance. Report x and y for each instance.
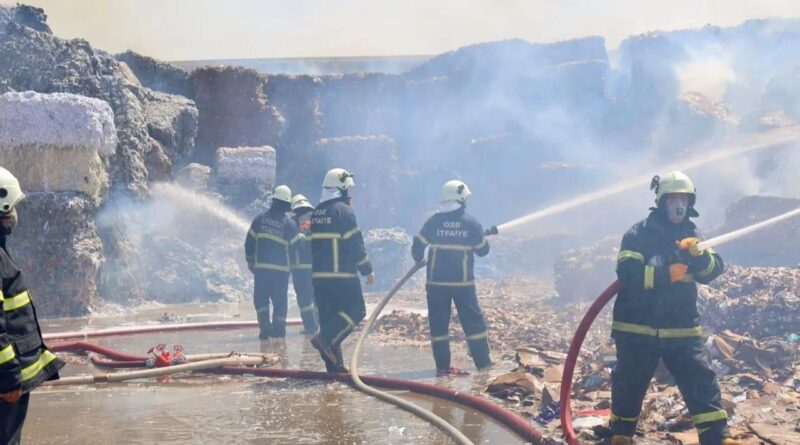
(225, 29)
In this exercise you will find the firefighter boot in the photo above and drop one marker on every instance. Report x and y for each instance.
(621, 440)
(264, 325)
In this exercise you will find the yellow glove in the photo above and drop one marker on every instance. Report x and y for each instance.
(690, 244)
(677, 272)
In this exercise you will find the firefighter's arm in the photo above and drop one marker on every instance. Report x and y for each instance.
(707, 266)
(10, 375)
(250, 246)
(632, 271)
(482, 241)
(355, 240)
(419, 244)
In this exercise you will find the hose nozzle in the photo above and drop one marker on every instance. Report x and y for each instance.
(491, 231)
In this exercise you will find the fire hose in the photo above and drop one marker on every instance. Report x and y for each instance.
(604, 298)
(511, 420)
(440, 423)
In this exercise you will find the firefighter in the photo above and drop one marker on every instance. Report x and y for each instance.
(453, 237)
(267, 252)
(301, 263)
(656, 318)
(338, 256)
(25, 362)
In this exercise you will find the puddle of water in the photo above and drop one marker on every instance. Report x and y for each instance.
(241, 410)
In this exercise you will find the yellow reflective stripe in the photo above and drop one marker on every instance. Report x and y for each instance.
(347, 319)
(351, 232)
(333, 275)
(33, 370)
(633, 328)
(272, 267)
(482, 243)
(451, 246)
(478, 336)
(335, 249)
(649, 277)
(629, 254)
(261, 310)
(452, 284)
(325, 235)
(439, 338)
(272, 237)
(298, 237)
(364, 261)
(712, 416)
(310, 307)
(278, 318)
(711, 265)
(464, 267)
(300, 266)
(615, 417)
(251, 232)
(2, 297)
(696, 331)
(9, 304)
(7, 354)
(423, 239)
(432, 252)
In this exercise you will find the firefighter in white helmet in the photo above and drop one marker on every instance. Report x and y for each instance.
(301, 263)
(338, 256)
(266, 250)
(453, 238)
(25, 362)
(656, 317)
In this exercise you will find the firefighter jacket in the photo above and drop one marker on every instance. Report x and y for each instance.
(25, 362)
(337, 245)
(268, 241)
(454, 238)
(649, 307)
(301, 243)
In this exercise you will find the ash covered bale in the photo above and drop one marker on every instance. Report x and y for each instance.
(54, 142)
(172, 121)
(582, 274)
(245, 174)
(158, 75)
(373, 161)
(520, 255)
(58, 247)
(390, 253)
(194, 176)
(778, 245)
(234, 110)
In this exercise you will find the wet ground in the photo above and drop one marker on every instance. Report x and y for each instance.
(247, 410)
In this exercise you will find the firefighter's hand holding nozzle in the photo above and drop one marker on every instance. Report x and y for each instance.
(690, 244)
(371, 279)
(677, 272)
(491, 231)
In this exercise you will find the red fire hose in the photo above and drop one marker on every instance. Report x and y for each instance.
(144, 329)
(572, 358)
(511, 420)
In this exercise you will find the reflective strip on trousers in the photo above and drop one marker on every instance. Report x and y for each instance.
(452, 284)
(479, 336)
(16, 302)
(310, 307)
(617, 418)
(333, 275)
(7, 354)
(440, 338)
(632, 328)
(712, 416)
(33, 370)
(343, 332)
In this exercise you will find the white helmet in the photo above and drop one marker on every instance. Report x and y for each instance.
(300, 201)
(282, 193)
(10, 191)
(339, 178)
(455, 190)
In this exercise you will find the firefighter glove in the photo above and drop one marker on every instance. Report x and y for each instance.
(677, 272)
(690, 244)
